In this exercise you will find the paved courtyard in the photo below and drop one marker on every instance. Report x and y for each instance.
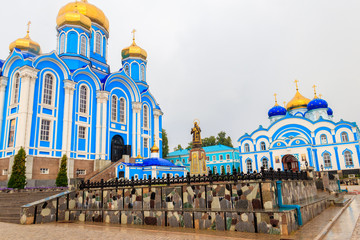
(346, 227)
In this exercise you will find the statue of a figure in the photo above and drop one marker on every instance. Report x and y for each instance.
(195, 131)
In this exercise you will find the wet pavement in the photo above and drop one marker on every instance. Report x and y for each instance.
(343, 228)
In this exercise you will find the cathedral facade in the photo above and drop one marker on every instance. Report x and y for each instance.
(302, 135)
(68, 102)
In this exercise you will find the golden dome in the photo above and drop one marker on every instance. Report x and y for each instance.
(75, 18)
(134, 50)
(155, 149)
(26, 44)
(298, 101)
(88, 10)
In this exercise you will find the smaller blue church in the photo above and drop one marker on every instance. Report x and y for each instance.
(146, 168)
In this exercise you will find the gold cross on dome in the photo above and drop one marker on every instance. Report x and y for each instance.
(28, 25)
(320, 95)
(133, 32)
(275, 98)
(314, 87)
(284, 104)
(296, 82)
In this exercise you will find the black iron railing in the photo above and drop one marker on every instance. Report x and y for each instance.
(210, 178)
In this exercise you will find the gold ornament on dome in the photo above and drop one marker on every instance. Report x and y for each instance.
(276, 103)
(86, 9)
(134, 50)
(298, 101)
(26, 44)
(74, 18)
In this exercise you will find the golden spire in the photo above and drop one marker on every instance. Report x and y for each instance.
(314, 87)
(320, 95)
(284, 104)
(296, 82)
(133, 32)
(139, 156)
(276, 103)
(154, 149)
(85, 1)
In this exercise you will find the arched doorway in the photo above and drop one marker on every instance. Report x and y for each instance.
(117, 148)
(290, 163)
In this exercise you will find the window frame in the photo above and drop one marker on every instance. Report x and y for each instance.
(146, 119)
(122, 104)
(146, 142)
(348, 157)
(142, 72)
(249, 166)
(62, 41)
(215, 171)
(81, 172)
(344, 134)
(83, 46)
(98, 43)
(247, 147)
(127, 69)
(50, 93)
(327, 161)
(228, 169)
(323, 137)
(44, 171)
(214, 158)
(12, 126)
(80, 134)
(262, 146)
(45, 137)
(114, 108)
(87, 96)
(16, 89)
(221, 157)
(263, 160)
(227, 156)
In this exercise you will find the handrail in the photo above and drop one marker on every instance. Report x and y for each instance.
(287, 207)
(47, 199)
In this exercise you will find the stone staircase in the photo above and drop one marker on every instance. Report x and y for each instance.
(10, 203)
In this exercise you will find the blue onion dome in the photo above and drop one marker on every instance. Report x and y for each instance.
(316, 103)
(277, 110)
(330, 111)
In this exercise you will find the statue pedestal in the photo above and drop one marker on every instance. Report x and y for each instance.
(197, 158)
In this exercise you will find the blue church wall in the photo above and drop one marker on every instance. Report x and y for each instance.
(93, 54)
(72, 42)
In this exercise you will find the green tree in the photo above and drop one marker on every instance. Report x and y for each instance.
(18, 177)
(179, 147)
(62, 179)
(222, 170)
(208, 141)
(190, 145)
(223, 140)
(165, 143)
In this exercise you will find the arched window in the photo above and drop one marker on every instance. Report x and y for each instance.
(16, 88)
(221, 157)
(222, 169)
(247, 147)
(249, 165)
(228, 170)
(348, 159)
(214, 158)
(327, 160)
(62, 44)
(208, 169)
(122, 110)
(323, 139)
(344, 137)
(127, 70)
(265, 163)
(146, 117)
(114, 108)
(142, 73)
(98, 43)
(83, 46)
(262, 146)
(83, 99)
(48, 88)
(215, 170)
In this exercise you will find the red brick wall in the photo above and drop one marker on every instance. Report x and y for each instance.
(4, 164)
(42, 162)
(87, 165)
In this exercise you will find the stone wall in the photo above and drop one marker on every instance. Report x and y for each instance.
(298, 191)
(4, 165)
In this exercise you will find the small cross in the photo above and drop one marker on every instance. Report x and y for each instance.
(284, 104)
(133, 32)
(275, 97)
(296, 82)
(28, 24)
(314, 87)
(320, 95)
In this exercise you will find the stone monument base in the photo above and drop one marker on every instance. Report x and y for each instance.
(197, 158)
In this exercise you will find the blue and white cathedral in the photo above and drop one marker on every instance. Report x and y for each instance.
(68, 102)
(302, 135)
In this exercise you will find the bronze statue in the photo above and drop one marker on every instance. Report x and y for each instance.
(195, 131)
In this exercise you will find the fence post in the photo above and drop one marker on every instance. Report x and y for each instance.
(188, 178)
(168, 179)
(102, 193)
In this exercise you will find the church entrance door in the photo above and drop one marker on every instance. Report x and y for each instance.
(290, 163)
(117, 148)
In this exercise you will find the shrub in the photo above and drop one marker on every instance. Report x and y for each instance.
(62, 179)
(18, 177)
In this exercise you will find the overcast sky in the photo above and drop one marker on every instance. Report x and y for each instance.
(221, 61)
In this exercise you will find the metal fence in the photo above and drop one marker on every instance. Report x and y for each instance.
(210, 178)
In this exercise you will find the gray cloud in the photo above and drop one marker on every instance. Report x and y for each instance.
(222, 61)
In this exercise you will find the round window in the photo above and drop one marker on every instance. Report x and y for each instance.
(278, 144)
(121, 166)
(297, 141)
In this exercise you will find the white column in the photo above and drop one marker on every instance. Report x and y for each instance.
(28, 76)
(157, 114)
(102, 97)
(69, 87)
(3, 84)
(136, 106)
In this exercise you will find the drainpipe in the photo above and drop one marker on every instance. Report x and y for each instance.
(341, 190)
(288, 207)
